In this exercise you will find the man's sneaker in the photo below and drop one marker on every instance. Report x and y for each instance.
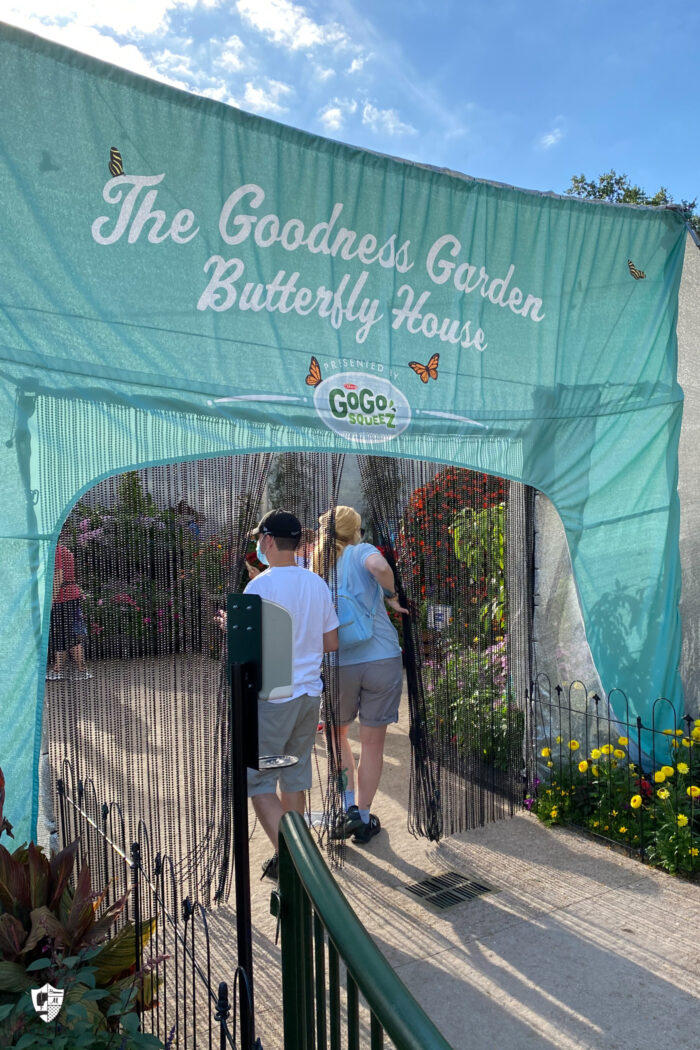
(81, 676)
(271, 868)
(367, 831)
(54, 676)
(347, 823)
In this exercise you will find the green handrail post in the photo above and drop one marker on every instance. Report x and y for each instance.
(306, 884)
(294, 1013)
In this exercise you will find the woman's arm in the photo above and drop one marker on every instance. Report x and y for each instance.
(384, 575)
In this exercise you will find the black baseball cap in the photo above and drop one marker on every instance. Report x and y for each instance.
(278, 523)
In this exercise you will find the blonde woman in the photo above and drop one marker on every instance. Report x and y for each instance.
(371, 672)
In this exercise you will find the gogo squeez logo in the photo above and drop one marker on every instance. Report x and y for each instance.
(361, 407)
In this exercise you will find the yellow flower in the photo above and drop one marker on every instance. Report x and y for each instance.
(546, 752)
(697, 723)
(583, 766)
(559, 740)
(681, 820)
(595, 771)
(668, 732)
(622, 830)
(674, 744)
(659, 776)
(668, 770)
(596, 823)
(606, 749)
(618, 753)
(663, 793)
(595, 754)
(553, 812)
(682, 767)
(550, 764)
(696, 732)
(693, 791)
(574, 745)
(623, 741)
(686, 743)
(679, 732)
(614, 812)
(693, 851)
(636, 801)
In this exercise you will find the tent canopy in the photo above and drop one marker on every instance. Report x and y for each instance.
(181, 279)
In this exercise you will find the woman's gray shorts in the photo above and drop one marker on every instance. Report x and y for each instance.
(373, 689)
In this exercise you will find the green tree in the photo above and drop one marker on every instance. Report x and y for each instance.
(619, 190)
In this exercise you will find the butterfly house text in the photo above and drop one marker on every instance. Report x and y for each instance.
(245, 224)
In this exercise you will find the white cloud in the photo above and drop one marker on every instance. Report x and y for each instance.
(288, 25)
(386, 120)
(231, 55)
(91, 42)
(553, 137)
(333, 116)
(267, 99)
(323, 73)
(126, 17)
(357, 64)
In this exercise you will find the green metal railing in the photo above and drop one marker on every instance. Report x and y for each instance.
(319, 931)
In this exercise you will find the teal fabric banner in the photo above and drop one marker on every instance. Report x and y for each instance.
(192, 280)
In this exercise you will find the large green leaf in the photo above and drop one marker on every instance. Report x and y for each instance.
(44, 924)
(82, 913)
(14, 881)
(118, 956)
(61, 869)
(12, 936)
(80, 993)
(38, 876)
(99, 930)
(146, 986)
(14, 978)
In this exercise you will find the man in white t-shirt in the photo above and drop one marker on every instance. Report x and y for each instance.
(289, 726)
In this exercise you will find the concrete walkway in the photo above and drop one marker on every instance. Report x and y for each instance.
(577, 946)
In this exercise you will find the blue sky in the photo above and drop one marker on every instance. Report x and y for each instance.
(525, 93)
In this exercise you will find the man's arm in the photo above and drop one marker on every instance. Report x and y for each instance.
(330, 641)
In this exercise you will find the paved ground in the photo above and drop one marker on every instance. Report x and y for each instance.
(576, 947)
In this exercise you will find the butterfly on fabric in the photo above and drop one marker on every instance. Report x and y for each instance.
(116, 166)
(314, 377)
(637, 274)
(426, 372)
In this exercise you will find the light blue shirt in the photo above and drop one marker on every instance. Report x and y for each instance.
(384, 642)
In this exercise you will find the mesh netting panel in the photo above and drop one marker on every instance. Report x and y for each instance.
(155, 553)
(446, 531)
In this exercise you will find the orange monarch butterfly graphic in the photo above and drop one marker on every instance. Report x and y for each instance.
(314, 377)
(425, 372)
(116, 167)
(638, 275)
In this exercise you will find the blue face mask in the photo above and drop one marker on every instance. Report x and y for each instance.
(260, 556)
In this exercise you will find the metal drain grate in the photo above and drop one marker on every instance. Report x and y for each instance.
(444, 891)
